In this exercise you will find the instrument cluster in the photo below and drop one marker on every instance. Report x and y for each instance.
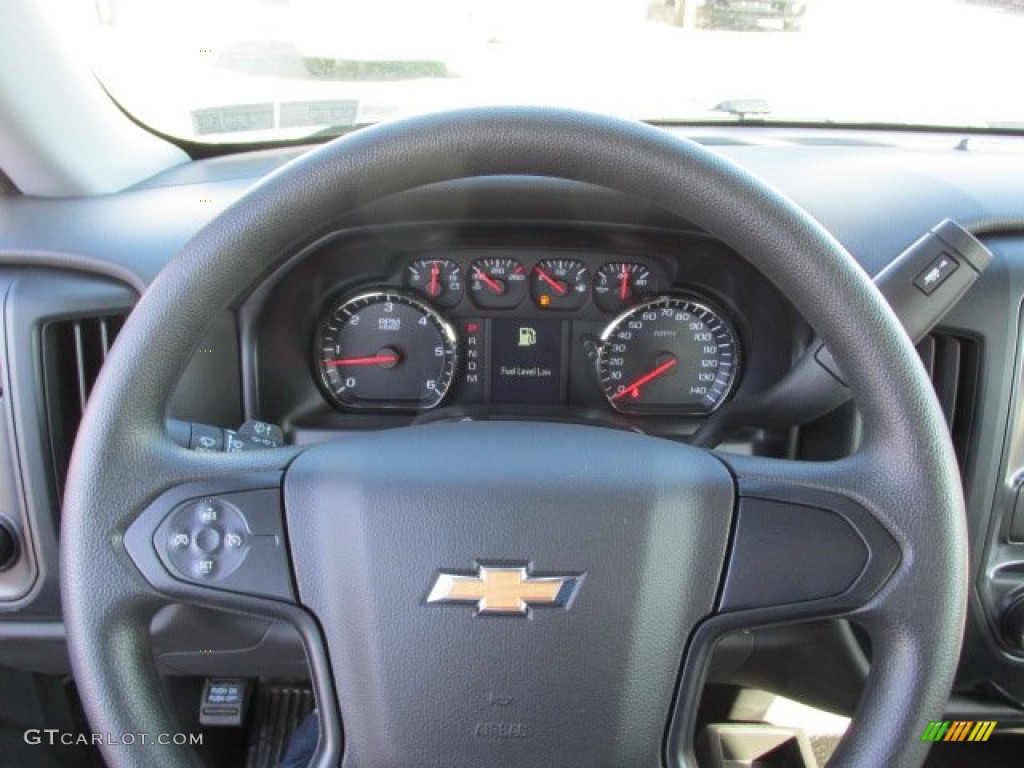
(526, 328)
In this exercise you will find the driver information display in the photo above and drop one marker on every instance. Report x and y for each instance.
(526, 361)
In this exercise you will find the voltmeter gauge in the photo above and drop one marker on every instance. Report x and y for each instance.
(619, 284)
(669, 355)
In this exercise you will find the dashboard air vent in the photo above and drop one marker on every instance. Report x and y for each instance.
(73, 351)
(953, 365)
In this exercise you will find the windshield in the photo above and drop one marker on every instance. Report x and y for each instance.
(266, 70)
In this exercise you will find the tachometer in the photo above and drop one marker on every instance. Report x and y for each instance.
(669, 355)
(385, 350)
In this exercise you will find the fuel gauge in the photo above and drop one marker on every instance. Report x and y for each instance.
(560, 284)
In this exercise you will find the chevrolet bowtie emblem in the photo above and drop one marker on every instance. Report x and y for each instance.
(498, 589)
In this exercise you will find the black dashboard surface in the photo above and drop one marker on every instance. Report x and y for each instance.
(875, 192)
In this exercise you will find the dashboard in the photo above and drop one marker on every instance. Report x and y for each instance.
(400, 324)
(518, 298)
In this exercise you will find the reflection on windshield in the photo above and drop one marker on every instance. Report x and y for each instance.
(253, 70)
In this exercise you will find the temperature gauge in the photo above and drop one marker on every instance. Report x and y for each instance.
(437, 279)
(497, 283)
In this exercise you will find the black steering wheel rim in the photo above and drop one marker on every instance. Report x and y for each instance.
(905, 469)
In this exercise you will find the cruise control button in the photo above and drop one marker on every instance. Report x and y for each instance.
(208, 539)
(208, 512)
(232, 541)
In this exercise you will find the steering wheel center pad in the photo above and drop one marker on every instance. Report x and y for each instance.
(640, 525)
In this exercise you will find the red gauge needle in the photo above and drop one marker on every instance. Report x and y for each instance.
(634, 388)
(375, 360)
(435, 270)
(559, 287)
(624, 287)
(490, 282)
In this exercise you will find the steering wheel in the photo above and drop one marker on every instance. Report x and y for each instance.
(614, 567)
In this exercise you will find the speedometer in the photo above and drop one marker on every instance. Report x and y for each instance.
(669, 355)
